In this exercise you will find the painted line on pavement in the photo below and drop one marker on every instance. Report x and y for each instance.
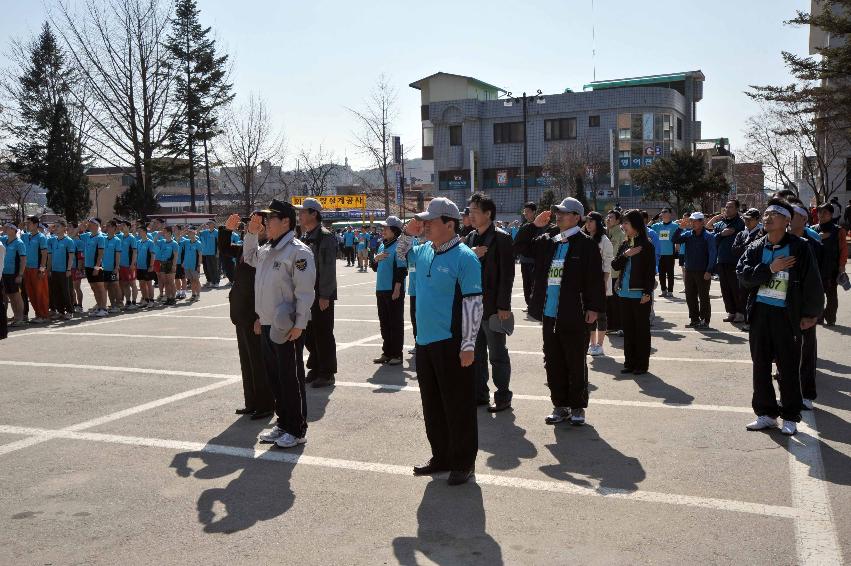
(815, 530)
(551, 486)
(375, 386)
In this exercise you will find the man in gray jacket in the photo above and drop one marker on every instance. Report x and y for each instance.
(319, 336)
(283, 295)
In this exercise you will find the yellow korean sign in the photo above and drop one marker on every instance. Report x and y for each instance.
(335, 201)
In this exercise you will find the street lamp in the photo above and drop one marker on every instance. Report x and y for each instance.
(539, 99)
(192, 130)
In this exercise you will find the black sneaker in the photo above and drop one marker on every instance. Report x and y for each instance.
(323, 381)
(693, 324)
(458, 477)
(430, 467)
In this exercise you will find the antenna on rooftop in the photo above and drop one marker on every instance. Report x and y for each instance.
(593, 42)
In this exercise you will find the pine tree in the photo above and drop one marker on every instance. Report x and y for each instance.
(64, 177)
(202, 86)
(679, 180)
(48, 150)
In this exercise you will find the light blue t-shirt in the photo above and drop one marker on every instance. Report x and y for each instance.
(144, 251)
(442, 281)
(111, 246)
(14, 250)
(665, 231)
(59, 250)
(128, 244)
(209, 239)
(412, 270)
(190, 253)
(349, 239)
(35, 244)
(554, 280)
(774, 292)
(91, 246)
(165, 249)
(625, 292)
(384, 275)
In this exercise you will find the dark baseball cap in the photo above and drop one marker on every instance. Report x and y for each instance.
(279, 208)
(752, 213)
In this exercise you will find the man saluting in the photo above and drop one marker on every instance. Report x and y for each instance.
(449, 312)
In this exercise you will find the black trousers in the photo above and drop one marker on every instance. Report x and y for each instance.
(319, 341)
(414, 315)
(730, 290)
(613, 309)
(255, 384)
(391, 316)
(565, 365)
(831, 300)
(773, 338)
(697, 296)
(229, 267)
(809, 355)
(349, 253)
(211, 269)
(527, 272)
(635, 319)
(666, 272)
(4, 322)
(285, 371)
(59, 286)
(448, 393)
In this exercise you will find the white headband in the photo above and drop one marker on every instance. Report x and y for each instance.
(778, 210)
(800, 210)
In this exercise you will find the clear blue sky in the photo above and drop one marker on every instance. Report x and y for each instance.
(311, 59)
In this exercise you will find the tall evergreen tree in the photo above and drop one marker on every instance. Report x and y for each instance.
(47, 148)
(201, 80)
(680, 180)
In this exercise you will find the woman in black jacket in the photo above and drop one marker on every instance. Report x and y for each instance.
(259, 402)
(636, 260)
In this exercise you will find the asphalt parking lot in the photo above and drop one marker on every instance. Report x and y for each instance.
(119, 445)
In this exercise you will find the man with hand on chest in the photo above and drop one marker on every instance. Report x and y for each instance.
(567, 296)
(494, 248)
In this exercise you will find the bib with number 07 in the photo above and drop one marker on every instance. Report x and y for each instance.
(556, 271)
(776, 288)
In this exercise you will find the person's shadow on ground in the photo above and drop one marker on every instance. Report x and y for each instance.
(583, 457)
(504, 440)
(650, 384)
(451, 528)
(260, 492)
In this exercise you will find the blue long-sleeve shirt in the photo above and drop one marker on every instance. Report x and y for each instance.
(654, 239)
(701, 252)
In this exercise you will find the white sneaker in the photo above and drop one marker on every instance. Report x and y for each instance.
(558, 415)
(789, 428)
(101, 313)
(289, 441)
(808, 404)
(591, 350)
(597, 350)
(273, 435)
(762, 422)
(577, 417)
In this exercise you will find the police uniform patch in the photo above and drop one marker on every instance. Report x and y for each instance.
(276, 265)
(301, 264)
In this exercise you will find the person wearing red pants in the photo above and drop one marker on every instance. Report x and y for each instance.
(35, 275)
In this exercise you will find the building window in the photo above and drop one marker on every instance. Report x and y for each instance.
(455, 135)
(624, 133)
(562, 129)
(679, 128)
(594, 121)
(508, 132)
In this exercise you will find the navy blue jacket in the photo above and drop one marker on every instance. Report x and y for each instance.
(700, 249)
(725, 243)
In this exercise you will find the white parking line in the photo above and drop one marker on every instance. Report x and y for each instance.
(815, 532)
(551, 486)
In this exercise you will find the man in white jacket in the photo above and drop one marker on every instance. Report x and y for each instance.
(283, 295)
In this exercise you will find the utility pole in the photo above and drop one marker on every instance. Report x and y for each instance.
(523, 100)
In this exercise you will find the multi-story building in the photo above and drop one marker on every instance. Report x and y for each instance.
(474, 133)
(749, 180)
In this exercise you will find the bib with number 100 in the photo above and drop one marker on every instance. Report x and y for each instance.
(777, 287)
(556, 271)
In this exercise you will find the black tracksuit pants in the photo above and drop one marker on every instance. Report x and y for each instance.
(319, 341)
(666, 272)
(773, 338)
(809, 356)
(635, 319)
(255, 384)
(527, 272)
(697, 296)
(730, 290)
(414, 315)
(211, 269)
(391, 316)
(285, 371)
(565, 365)
(59, 286)
(831, 304)
(448, 393)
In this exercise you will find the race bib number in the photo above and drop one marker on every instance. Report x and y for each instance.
(776, 287)
(665, 235)
(556, 271)
(412, 269)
